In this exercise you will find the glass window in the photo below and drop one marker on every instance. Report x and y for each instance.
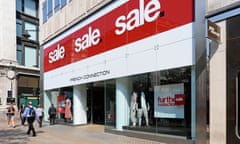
(110, 101)
(63, 3)
(44, 12)
(19, 54)
(50, 8)
(56, 5)
(30, 7)
(30, 56)
(238, 105)
(19, 28)
(31, 29)
(19, 5)
(158, 102)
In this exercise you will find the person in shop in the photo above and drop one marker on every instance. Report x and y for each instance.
(52, 114)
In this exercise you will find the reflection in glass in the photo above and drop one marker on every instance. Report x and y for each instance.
(238, 106)
(31, 29)
(110, 100)
(30, 7)
(30, 56)
(19, 54)
(19, 28)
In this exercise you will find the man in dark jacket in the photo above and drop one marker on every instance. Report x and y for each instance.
(52, 114)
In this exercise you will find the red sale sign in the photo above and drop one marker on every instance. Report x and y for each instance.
(177, 100)
(128, 23)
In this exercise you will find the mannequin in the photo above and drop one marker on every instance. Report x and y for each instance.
(133, 108)
(143, 107)
(68, 113)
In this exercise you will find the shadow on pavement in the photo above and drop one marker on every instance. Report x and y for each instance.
(13, 136)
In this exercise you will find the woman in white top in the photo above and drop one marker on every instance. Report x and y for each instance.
(40, 113)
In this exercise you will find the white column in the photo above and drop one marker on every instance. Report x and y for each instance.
(218, 97)
(46, 104)
(193, 105)
(122, 103)
(79, 105)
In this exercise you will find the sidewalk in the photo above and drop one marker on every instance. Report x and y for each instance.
(60, 134)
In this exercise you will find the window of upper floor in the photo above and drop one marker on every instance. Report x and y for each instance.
(28, 7)
(29, 28)
(50, 7)
(28, 55)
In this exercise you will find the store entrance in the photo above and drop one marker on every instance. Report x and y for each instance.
(95, 103)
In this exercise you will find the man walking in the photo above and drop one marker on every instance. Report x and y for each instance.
(52, 114)
(30, 114)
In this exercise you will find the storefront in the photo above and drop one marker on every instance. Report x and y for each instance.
(129, 66)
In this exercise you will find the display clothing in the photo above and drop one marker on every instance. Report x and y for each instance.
(61, 104)
(143, 107)
(68, 113)
(134, 108)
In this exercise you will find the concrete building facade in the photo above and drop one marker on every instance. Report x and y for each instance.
(224, 72)
(19, 55)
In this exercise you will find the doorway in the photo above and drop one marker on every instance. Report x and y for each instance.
(95, 103)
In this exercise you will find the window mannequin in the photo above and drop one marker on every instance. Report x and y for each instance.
(133, 108)
(68, 113)
(143, 108)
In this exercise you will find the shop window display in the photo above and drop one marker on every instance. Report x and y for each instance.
(160, 102)
(64, 106)
(141, 106)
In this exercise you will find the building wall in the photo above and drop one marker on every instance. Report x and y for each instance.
(233, 68)
(224, 65)
(217, 98)
(8, 30)
(8, 56)
(216, 4)
(69, 15)
(156, 48)
(7, 49)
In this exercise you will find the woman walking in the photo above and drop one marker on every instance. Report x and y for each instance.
(10, 116)
(40, 114)
(21, 110)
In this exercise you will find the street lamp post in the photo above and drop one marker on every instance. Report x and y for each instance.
(11, 75)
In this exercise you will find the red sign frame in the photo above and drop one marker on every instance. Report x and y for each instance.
(172, 14)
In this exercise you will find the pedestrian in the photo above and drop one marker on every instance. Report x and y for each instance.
(40, 114)
(30, 113)
(10, 116)
(21, 110)
(52, 114)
